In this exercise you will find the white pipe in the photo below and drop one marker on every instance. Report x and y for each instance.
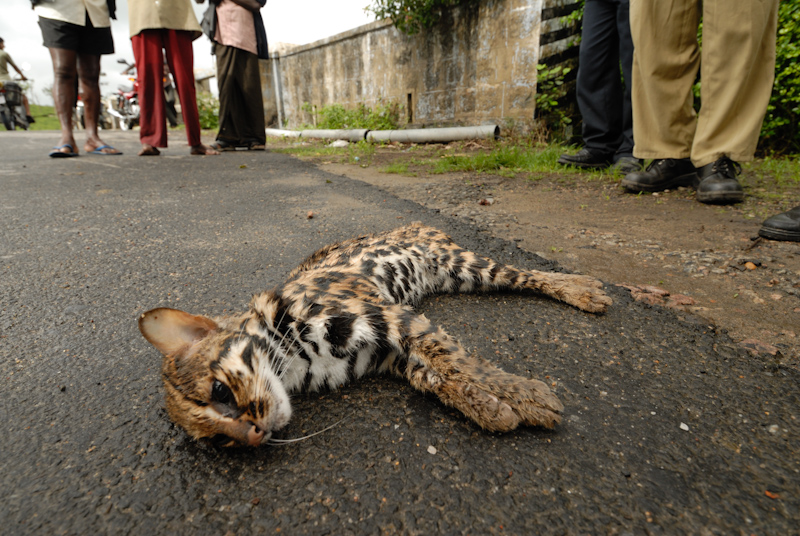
(282, 133)
(420, 135)
(349, 135)
(441, 135)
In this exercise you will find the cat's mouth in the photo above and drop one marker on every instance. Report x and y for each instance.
(225, 441)
(242, 434)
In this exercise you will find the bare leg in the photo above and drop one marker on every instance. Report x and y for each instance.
(89, 76)
(27, 105)
(65, 72)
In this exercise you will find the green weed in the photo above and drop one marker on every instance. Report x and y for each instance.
(399, 168)
(385, 116)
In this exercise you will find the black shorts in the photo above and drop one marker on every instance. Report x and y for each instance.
(82, 39)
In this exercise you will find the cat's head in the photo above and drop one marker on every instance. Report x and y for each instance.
(219, 384)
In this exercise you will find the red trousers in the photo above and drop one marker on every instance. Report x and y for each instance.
(177, 44)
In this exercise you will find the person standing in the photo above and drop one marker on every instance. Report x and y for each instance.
(240, 41)
(604, 99)
(158, 29)
(736, 65)
(5, 76)
(77, 33)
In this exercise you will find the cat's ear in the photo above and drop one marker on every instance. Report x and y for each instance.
(171, 330)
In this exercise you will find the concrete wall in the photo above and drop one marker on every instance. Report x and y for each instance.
(477, 66)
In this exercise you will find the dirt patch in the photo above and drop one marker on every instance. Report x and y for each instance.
(667, 249)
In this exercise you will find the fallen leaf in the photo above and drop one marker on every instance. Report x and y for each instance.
(771, 495)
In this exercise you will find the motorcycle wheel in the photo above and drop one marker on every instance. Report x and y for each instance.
(6, 121)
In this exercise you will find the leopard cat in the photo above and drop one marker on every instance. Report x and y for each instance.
(345, 312)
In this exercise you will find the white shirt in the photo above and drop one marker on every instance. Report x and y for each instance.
(74, 12)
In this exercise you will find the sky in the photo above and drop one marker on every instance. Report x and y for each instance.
(287, 21)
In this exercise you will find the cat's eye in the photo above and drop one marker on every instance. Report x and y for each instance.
(221, 393)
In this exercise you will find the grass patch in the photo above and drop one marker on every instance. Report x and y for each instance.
(398, 168)
(46, 118)
(385, 116)
(508, 159)
(772, 184)
(356, 153)
(784, 171)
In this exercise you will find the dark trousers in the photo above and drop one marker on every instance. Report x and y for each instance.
(603, 99)
(241, 106)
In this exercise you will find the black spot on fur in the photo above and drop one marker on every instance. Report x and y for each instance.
(247, 356)
(314, 310)
(339, 330)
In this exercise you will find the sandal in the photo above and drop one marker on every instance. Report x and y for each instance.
(253, 145)
(58, 153)
(223, 146)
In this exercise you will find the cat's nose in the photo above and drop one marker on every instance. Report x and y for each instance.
(254, 436)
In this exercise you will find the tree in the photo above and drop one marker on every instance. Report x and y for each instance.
(412, 16)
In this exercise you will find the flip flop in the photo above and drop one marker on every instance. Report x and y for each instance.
(99, 150)
(57, 153)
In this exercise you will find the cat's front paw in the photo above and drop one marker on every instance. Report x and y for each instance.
(531, 404)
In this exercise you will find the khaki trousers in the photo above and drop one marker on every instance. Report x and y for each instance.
(737, 68)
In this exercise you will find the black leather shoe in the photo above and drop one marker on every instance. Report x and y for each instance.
(717, 183)
(628, 164)
(661, 174)
(783, 226)
(586, 158)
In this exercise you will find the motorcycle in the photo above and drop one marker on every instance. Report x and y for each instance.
(170, 97)
(127, 100)
(103, 121)
(12, 112)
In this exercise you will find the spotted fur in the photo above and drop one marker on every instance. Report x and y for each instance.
(345, 312)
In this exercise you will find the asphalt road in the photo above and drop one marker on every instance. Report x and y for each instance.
(668, 428)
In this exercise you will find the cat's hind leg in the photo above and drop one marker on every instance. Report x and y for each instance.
(465, 271)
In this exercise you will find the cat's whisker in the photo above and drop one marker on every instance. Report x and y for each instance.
(285, 363)
(295, 440)
(287, 366)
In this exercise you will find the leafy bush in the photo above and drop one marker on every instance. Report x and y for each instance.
(336, 116)
(781, 129)
(208, 108)
(411, 16)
